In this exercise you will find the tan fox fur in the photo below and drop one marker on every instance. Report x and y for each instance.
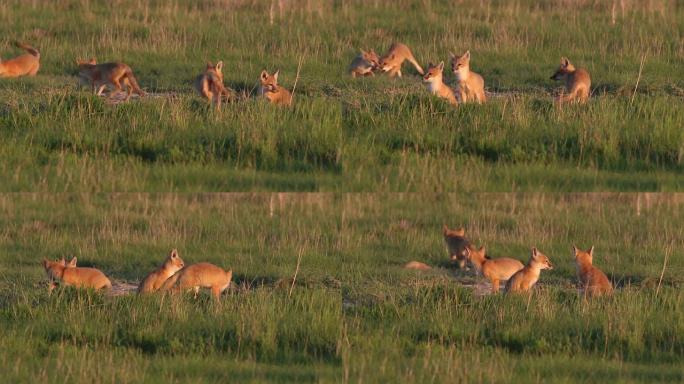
(200, 275)
(456, 244)
(433, 78)
(577, 82)
(210, 84)
(156, 278)
(526, 278)
(272, 91)
(417, 265)
(99, 76)
(364, 64)
(495, 270)
(75, 276)
(391, 62)
(592, 280)
(22, 65)
(470, 84)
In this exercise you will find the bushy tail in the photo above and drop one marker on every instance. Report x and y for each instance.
(133, 82)
(170, 282)
(415, 63)
(28, 49)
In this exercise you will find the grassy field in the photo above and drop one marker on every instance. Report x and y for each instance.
(352, 314)
(373, 134)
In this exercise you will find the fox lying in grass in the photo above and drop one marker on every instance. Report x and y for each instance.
(364, 64)
(156, 278)
(272, 91)
(417, 265)
(391, 62)
(99, 76)
(70, 275)
(592, 280)
(495, 270)
(456, 244)
(200, 275)
(470, 84)
(210, 84)
(577, 82)
(433, 77)
(22, 65)
(526, 278)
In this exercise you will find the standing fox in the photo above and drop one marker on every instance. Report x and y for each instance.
(395, 57)
(210, 84)
(69, 274)
(577, 81)
(272, 91)
(494, 270)
(470, 84)
(592, 280)
(526, 278)
(456, 244)
(364, 64)
(200, 275)
(22, 65)
(156, 278)
(436, 85)
(101, 75)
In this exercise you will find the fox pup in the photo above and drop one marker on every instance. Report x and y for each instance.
(69, 274)
(470, 84)
(200, 275)
(417, 265)
(364, 64)
(436, 85)
(22, 65)
(156, 278)
(577, 81)
(494, 270)
(395, 57)
(526, 278)
(98, 76)
(456, 244)
(592, 280)
(272, 91)
(210, 84)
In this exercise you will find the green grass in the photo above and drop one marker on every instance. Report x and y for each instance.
(374, 134)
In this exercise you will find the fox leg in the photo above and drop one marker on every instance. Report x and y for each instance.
(33, 71)
(495, 285)
(216, 292)
(99, 91)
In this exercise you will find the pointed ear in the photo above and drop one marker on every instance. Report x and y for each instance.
(574, 249)
(466, 55)
(275, 75)
(174, 253)
(92, 61)
(564, 62)
(483, 251)
(452, 55)
(219, 66)
(591, 251)
(72, 262)
(441, 66)
(264, 75)
(535, 252)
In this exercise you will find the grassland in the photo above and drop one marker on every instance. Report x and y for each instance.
(373, 134)
(353, 314)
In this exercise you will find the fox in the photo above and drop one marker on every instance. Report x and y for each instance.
(495, 270)
(364, 64)
(577, 82)
(69, 275)
(433, 78)
(22, 65)
(417, 265)
(98, 76)
(155, 279)
(273, 92)
(210, 83)
(592, 280)
(391, 62)
(456, 245)
(470, 84)
(200, 275)
(526, 278)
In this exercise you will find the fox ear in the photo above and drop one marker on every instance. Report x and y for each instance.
(72, 262)
(452, 55)
(483, 251)
(591, 251)
(92, 61)
(574, 249)
(264, 74)
(535, 252)
(174, 253)
(466, 55)
(275, 75)
(564, 62)
(441, 65)
(219, 65)
(460, 231)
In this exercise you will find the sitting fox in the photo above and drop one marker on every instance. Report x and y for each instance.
(591, 279)
(156, 278)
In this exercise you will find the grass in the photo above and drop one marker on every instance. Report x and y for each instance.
(373, 134)
(353, 314)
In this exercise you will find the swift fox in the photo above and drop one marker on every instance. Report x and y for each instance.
(417, 265)
(156, 278)
(592, 280)
(494, 270)
(526, 278)
(436, 85)
(364, 64)
(456, 244)
(577, 81)
(22, 65)
(395, 57)
(272, 91)
(470, 84)
(58, 270)
(210, 83)
(200, 275)
(98, 76)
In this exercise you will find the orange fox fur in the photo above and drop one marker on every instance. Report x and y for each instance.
(592, 280)
(22, 65)
(495, 270)
(200, 275)
(155, 279)
(75, 276)
(526, 278)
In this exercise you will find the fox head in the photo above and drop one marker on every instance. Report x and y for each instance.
(472, 253)
(459, 63)
(53, 268)
(216, 69)
(269, 82)
(582, 257)
(565, 68)
(371, 57)
(433, 72)
(385, 63)
(83, 63)
(540, 259)
(453, 232)
(174, 261)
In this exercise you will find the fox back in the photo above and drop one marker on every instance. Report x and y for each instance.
(154, 280)
(108, 74)
(592, 280)
(272, 91)
(22, 65)
(391, 62)
(76, 276)
(200, 275)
